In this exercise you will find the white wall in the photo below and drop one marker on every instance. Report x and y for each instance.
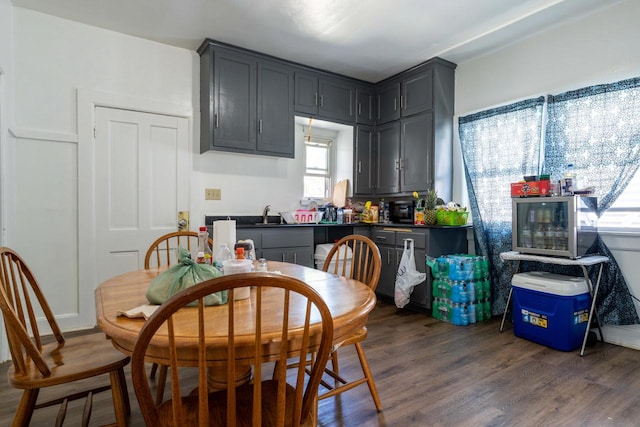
(601, 48)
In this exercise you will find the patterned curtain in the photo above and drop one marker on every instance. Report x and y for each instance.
(499, 146)
(598, 130)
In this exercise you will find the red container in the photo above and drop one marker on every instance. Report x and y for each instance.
(530, 189)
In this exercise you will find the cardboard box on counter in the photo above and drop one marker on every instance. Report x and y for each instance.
(530, 189)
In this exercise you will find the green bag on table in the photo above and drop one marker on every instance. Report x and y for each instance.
(182, 275)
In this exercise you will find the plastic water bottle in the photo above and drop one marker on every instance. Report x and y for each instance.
(472, 313)
(569, 180)
(340, 216)
(203, 246)
(224, 254)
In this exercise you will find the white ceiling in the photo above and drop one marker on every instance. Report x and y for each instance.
(366, 39)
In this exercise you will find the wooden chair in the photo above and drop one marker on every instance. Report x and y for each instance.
(161, 253)
(261, 402)
(363, 264)
(36, 364)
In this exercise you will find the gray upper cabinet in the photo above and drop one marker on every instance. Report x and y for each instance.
(324, 97)
(365, 151)
(306, 93)
(416, 148)
(365, 106)
(413, 132)
(388, 102)
(275, 109)
(246, 103)
(417, 93)
(388, 158)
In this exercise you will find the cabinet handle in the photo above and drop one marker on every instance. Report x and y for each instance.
(388, 257)
(402, 102)
(322, 100)
(316, 100)
(401, 163)
(359, 109)
(395, 104)
(295, 257)
(359, 166)
(398, 165)
(282, 256)
(216, 120)
(260, 126)
(382, 238)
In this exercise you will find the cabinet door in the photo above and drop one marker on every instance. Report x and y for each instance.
(300, 255)
(337, 100)
(365, 112)
(364, 166)
(388, 103)
(275, 110)
(388, 158)
(417, 153)
(421, 295)
(417, 93)
(306, 93)
(387, 282)
(235, 100)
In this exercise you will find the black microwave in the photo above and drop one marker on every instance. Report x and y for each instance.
(401, 212)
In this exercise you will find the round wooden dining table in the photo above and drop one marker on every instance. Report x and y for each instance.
(349, 302)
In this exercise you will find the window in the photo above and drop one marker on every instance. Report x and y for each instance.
(318, 162)
(624, 214)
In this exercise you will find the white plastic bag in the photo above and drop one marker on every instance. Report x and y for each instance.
(407, 276)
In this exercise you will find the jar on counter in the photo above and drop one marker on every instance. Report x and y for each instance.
(262, 265)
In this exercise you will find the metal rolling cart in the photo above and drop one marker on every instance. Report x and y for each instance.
(514, 259)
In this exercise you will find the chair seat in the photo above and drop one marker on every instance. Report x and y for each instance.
(79, 358)
(244, 399)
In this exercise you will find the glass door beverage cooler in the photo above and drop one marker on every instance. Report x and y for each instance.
(555, 226)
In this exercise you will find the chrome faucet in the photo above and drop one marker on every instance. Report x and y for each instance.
(265, 214)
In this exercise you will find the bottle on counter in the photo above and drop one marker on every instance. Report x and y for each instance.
(223, 254)
(569, 180)
(203, 246)
(240, 252)
(340, 216)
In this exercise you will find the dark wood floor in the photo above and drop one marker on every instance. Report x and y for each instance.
(431, 373)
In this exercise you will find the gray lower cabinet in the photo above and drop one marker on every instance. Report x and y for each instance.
(431, 241)
(286, 244)
(246, 103)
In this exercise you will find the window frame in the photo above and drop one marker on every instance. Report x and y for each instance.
(329, 143)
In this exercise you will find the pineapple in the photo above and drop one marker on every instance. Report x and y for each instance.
(430, 200)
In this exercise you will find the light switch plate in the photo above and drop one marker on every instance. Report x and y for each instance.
(212, 194)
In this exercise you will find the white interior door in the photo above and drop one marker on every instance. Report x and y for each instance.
(142, 181)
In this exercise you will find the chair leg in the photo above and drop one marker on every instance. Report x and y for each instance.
(125, 391)
(86, 411)
(154, 369)
(162, 381)
(367, 373)
(335, 367)
(62, 413)
(120, 398)
(25, 408)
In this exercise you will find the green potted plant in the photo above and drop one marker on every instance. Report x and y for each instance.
(430, 201)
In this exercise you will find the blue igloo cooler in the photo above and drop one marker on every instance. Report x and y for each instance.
(550, 309)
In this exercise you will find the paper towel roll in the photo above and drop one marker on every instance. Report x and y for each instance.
(224, 231)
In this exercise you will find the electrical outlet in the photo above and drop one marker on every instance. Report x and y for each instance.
(212, 194)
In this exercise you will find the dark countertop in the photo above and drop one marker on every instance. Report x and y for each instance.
(274, 221)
